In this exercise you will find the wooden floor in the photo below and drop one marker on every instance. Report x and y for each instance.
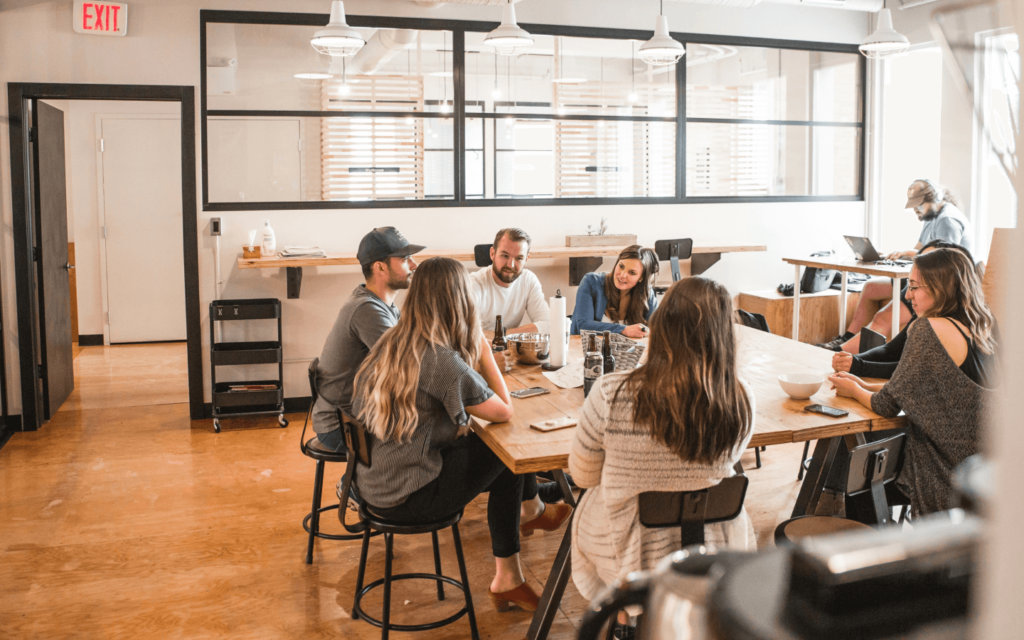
(122, 518)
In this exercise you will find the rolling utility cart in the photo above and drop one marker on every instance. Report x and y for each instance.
(246, 397)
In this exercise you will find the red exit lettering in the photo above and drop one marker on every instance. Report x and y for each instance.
(103, 17)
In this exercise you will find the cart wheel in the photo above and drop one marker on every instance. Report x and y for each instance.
(216, 425)
(282, 420)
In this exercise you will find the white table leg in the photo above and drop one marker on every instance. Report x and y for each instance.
(796, 304)
(842, 308)
(895, 307)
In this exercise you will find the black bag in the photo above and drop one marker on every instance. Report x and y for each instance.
(814, 279)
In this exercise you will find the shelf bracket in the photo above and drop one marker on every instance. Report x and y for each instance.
(579, 267)
(701, 262)
(294, 281)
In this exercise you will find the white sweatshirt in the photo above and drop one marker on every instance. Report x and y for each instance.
(523, 297)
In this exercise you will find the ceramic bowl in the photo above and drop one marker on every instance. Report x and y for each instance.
(801, 386)
(529, 348)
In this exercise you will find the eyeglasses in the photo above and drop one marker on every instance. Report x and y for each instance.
(911, 288)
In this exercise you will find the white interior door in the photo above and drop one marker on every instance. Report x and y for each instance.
(141, 218)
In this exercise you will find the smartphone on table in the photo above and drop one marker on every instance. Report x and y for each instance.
(826, 410)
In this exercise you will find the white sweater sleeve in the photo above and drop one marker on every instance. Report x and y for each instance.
(586, 459)
(537, 306)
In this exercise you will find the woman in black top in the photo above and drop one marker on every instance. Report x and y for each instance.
(881, 361)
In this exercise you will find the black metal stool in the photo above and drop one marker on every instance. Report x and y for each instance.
(313, 449)
(359, 450)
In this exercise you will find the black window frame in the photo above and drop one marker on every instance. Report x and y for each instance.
(458, 29)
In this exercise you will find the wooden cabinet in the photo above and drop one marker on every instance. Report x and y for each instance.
(819, 312)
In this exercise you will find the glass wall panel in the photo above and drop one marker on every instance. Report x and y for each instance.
(757, 160)
(755, 83)
(566, 76)
(273, 67)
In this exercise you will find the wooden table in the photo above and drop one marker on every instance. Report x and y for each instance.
(582, 260)
(869, 268)
(762, 358)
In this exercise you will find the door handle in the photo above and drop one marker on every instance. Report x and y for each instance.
(69, 266)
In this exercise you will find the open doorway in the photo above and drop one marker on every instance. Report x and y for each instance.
(151, 270)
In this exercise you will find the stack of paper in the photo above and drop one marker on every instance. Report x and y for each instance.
(303, 252)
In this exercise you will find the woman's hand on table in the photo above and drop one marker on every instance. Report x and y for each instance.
(635, 331)
(845, 384)
(842, 362)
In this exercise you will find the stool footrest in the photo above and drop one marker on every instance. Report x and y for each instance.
(357, 609)
(331, 536)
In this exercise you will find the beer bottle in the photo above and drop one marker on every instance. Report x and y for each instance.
(609, 359)
(593, 365)
(499, 343)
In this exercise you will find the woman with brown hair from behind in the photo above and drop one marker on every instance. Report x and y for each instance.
(944, 381)
(415, 393)
(678, 423)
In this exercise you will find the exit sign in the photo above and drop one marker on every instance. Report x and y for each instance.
(100, 18)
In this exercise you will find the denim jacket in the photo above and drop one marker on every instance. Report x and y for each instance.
(591, 303)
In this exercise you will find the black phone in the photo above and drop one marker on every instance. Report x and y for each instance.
(826, 410)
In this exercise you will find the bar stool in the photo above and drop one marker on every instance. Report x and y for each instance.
(313, 449)
(872, 466)
(673, 251)
(359, 447)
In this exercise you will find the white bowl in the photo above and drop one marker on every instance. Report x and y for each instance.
(801, 386)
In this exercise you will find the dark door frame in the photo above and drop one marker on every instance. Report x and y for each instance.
(18, 96)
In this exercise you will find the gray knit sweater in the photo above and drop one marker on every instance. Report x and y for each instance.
(945, 409)
(617, 461)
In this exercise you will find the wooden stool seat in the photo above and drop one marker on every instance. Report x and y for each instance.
(807, 526)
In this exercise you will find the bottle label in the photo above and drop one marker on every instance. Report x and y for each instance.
(593, 371)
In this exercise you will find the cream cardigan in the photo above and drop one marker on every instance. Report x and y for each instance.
(617, 462)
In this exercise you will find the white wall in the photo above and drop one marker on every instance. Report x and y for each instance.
(37, 44)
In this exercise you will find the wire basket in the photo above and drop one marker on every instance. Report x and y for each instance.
(627, 352)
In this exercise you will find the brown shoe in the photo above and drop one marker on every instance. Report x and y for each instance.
(522, 596)
(549, 520)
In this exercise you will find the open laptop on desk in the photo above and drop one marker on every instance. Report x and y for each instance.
(865, 251)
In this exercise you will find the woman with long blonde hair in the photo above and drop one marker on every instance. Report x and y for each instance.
(944, 381)
(679, 422)
(415, 393)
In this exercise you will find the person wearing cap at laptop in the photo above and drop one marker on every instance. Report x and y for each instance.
(937, 209)
(386, 258)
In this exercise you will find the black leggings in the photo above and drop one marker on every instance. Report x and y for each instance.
(469, 468)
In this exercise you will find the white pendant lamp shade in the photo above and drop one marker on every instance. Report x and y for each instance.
(508, 39)
(662, 49)
(337, 39)
(885, 41)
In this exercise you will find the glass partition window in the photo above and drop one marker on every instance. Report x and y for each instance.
(426, 112)
(772, 122)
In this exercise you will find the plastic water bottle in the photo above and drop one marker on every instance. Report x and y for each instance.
(269, 241)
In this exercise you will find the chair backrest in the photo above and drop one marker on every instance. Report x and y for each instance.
(872, 466)
(674, 251)
(691, 510)
(313, 366)
(997, 280)
(753, 320)
(482, 255)
(870, 339)
(359, 449)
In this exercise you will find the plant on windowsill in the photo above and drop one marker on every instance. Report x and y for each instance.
(600, 237)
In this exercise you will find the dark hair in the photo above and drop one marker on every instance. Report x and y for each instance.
(514, 234)
(687, 394)
(367, 270)
(945, 244)
(640, 293)
(956, 288)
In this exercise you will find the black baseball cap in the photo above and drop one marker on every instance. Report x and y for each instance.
(383, 243)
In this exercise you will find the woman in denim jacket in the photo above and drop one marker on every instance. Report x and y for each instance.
(620, 301)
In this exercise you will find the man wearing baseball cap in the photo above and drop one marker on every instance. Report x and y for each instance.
(937, 209)
(386, 258)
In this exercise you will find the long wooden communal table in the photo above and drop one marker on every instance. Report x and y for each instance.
(582, 260)
(885, 271)
(762, 358)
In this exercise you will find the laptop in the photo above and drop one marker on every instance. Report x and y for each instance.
(863, 249)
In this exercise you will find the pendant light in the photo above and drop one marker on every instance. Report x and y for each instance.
(337, 39)
(885, 42)
(662, 49)
(508, 39)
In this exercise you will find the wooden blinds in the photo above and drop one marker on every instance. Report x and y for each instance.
(372, 158)
(611, 158)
